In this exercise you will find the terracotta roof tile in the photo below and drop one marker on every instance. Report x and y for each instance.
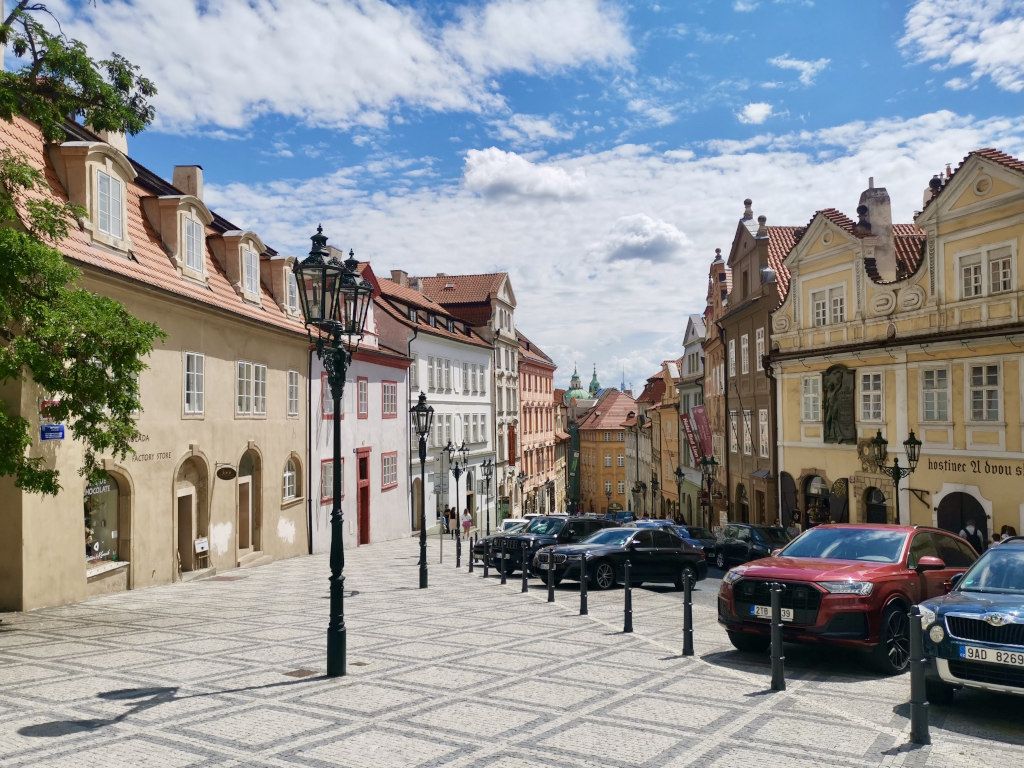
(392, 291)
(463, 289)
(995, 155)
(780, 242)
(609, 412)
(150, 264)
(531, 351)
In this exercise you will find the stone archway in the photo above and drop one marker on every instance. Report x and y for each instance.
(956, 509)
(192, 515)
(249, 519)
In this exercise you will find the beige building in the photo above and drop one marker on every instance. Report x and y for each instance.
(897, 328)
(218, 477)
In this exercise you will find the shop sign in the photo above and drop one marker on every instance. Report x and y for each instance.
(202, 545)
(51, 431)
(95, 488)
(978, 466)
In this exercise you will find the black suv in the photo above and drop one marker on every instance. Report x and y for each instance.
(543, 531)
(741, 543)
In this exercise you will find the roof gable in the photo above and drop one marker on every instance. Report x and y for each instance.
(982, 177)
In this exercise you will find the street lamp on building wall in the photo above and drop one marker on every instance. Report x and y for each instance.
(488, 469)
(423, 415)
(521, 478)
(335, 299)
(608, 495)
(880, 452)
(708, 465)
(654, 496)
(679, 492)
(457, 459)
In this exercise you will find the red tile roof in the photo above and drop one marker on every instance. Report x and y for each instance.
(780, 242)
(609, 412)
(463, 289)
(532, 352)
(394, 299)
(996, 156)
(653, 391)
(149, 263)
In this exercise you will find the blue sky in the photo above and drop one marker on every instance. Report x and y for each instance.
(599, 151)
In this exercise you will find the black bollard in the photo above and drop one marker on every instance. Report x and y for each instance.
(551, 576)
(687, 614)
(458, 552)
(526, 571)
(487, 555)
(501, 562)
(472, 550)
(583, 585)
(918, 694)
(627, 619)
(778, 672)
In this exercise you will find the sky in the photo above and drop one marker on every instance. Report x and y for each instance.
(598, 151)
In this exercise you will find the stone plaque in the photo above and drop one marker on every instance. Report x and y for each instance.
(839, 402)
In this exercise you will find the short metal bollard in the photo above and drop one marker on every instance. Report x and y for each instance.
(472, 549)
(487, 555)
(583, 585)
(687, 614)
(458, 552)
(627, 619)
(551, 577)
(526, 570)
(778, 672)
(501, 562)
(918, 693)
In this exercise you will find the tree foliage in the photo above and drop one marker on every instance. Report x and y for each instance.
(83, 349)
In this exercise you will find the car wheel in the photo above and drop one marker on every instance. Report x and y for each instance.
(938, 692)
(892, 654)
(687, 571)
(604, 575)
(720, 559)
(749, 643)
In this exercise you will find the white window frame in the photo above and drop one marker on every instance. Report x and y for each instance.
(932, 391)
(981, 262)
(291, 292)
(259, 390)
(734, 438)
(810, 398)
(748, 440)
(971, 388)
(293, 393)
(607, 460)
(195, 367)
(819, 308)
(621, 487)
(194, 235)
(389, 399)
(250, 271)
(109, 205)
(388, 470)
(289, 480)
(871, 396)
(362, 397)
(243, 388)
(414, 373)
(762, 432)
(758, 348)
(745, 353)
(732, 357)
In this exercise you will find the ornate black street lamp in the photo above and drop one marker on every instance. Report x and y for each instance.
(488, 470)
(708, 465)
(335, 299)
(457, 458)
(424, 415)
(679, 493)
(608, 495)
(655, 487)
(880, 452)
(521, 478)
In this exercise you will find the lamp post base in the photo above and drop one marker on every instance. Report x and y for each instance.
(336, 642)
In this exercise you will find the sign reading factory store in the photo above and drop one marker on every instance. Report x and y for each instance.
(838, 399)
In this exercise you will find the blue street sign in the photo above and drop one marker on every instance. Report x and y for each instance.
(51, 431)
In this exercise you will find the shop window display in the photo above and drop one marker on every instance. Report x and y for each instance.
(102, 537)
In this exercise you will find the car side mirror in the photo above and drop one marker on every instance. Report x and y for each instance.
(634, 544)
(929, 563)
(955, 580)
(775, 552)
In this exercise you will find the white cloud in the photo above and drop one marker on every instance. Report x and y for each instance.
(341, 63)
(744, 6)
(493, 173)
(808, 69)
(984, 35)
(530, 129)
(639, 237)
(755, 113)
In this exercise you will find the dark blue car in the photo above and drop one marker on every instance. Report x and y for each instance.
(974, 636)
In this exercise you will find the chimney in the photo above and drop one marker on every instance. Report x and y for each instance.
(748, 211)
(189, 179)
(115, 139)
(877, 217)
(401, 277)
(416, 284)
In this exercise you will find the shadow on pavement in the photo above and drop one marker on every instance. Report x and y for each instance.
(834, 665)
(147, 699)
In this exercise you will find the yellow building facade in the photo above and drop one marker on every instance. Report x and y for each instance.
(897, 328)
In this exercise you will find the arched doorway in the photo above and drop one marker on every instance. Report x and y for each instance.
(192, 514)
(875, 508)
(787, 493)
(816, 497)
(742, 504)
(250, 513)
(956, 509)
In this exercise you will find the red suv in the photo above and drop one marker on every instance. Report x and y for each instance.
(848, 585)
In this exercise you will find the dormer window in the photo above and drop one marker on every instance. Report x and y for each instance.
(412, 314)
(293, 292)
(109, 199)
(251, 261)
(193, 244)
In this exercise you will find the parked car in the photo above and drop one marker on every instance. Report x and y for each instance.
(741, 543)
(508, 525)
(621, 516)
(846, 585)
(974, 636)
(654, 555)
(541, 532)
(699, 537)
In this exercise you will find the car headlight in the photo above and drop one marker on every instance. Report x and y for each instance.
(731, 577)
(861, 588)
(927, 618)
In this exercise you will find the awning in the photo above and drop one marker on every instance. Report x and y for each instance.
(762, 474)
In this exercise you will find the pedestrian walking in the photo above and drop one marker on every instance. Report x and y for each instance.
(973, 535)
(467, 522)
(793, 529)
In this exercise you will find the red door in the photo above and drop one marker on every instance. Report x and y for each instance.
(363, 495)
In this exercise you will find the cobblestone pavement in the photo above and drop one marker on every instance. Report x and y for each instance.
(467, 674)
